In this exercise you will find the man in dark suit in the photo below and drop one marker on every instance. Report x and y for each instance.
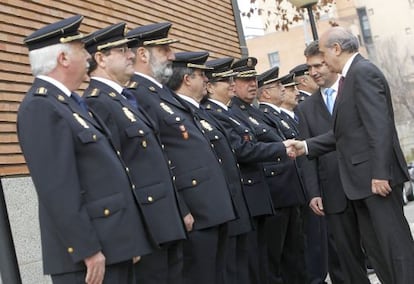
(139, 145)
(371, 164)
(321, 175)
(200, 182)
(91, 224)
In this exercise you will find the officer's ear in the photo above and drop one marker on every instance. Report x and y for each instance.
(210, 87)
(142, 54)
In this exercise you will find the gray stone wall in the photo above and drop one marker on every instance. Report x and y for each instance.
(21, 201)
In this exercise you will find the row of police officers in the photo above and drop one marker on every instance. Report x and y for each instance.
(164, 171)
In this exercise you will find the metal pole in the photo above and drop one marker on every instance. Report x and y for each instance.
(9, 269)
(312, 22)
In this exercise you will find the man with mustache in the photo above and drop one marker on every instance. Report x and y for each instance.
(204, 198)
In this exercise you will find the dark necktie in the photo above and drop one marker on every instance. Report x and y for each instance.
(340, 85)
(80, 101)
(130, 97)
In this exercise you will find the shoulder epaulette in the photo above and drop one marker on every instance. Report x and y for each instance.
(132, 85)
(41, 91)
(93, 93)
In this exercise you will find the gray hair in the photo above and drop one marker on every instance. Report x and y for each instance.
(44, 60)
(344, 38)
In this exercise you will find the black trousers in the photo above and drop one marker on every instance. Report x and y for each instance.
(320, 250)
(386, 237)
(347, 238)
(237, 265)
(204, 256)
(115, 273)
(285, 240)
(316, 246)
(258, 267)
(161, 267)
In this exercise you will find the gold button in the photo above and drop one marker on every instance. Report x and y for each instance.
(94, 137)
(173, 178)
(249, 181)
(144, 144)
(150, 199)
(238, 165)
(107, 212)
(241, 179)
(127, 169)
(219, 161)
(212, 145)
(194, 182)
(278, 159)
(272, 173)
(177, 119)
(162, 146)
(133, 186)
(169, 162)
(233, 151)
(216, 137)
(264, 130)
(70, 250)
(140, 131)
(118, 153)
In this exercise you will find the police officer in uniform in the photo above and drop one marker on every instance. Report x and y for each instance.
(283, 231)
(140, 147)
(91, 224)
(234, 263)
(249, 153)
(306, 84)
(200, 182)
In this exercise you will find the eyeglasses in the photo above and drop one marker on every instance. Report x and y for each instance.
(122, 50)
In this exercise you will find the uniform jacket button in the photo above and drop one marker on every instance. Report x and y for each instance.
(107, 212)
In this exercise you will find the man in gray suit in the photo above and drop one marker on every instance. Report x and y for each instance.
(371, 164)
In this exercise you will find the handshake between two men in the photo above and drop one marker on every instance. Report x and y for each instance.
(295, 148)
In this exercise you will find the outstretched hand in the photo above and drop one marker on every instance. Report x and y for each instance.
(294, 148)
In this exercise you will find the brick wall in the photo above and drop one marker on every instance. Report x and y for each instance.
(199, 24)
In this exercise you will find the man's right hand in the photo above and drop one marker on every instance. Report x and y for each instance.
(295, 148)
(95, 268)
(317, 206)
